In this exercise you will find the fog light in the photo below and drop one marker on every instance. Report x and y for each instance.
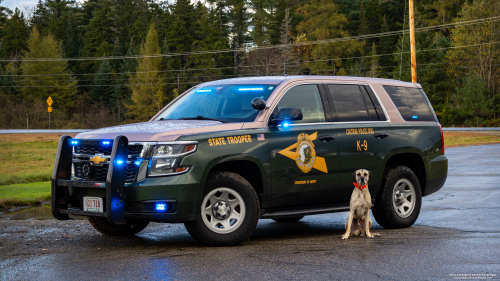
(74, 142)
(161, 207)
(105, 142)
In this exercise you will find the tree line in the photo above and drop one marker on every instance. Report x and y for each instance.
(107, 62)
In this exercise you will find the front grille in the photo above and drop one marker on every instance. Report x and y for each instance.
(100, 173)
(88, 149)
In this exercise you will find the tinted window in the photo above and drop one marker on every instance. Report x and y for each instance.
(348, 103)
(231, 103)
(308, 99)
(372, 113)
(411, 103)
(378, 108)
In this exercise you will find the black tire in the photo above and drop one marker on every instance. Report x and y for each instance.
(229, 182)
(290, 219)
(384, 211)
(110, 229)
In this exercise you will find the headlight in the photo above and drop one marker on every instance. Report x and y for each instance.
(167, 157)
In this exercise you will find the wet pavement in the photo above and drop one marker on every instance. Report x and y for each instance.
(456, 236)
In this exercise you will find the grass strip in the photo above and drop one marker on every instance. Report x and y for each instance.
(24, 194)
(456, 139)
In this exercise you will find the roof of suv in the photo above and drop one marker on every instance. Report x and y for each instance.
(275, 80)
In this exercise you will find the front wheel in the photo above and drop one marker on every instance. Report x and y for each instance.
(230, 211)
(105, 227)
(400, 200)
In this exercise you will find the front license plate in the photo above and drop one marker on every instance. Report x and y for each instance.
(92, 204)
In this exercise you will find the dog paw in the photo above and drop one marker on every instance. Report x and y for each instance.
(344, 237)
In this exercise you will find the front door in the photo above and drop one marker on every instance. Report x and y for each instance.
(363, 135)
(303, 166)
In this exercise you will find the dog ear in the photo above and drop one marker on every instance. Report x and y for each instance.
(354, 176)
(369, 174)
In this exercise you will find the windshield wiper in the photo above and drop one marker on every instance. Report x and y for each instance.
(199, 117)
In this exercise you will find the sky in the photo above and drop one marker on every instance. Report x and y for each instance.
(12, 4)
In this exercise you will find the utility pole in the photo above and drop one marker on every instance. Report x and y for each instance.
(412, 45)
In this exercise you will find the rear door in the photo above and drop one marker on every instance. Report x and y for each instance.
(363, 134)
(303, 166)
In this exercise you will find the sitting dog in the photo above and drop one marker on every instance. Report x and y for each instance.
(358, 223)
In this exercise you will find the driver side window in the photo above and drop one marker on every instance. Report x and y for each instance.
(308, 99)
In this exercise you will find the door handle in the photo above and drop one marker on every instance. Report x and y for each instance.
(381, 135)
(326, 138)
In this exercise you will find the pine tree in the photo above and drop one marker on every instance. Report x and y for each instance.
(122, 93)
(374, 66)
(147, 85)
(52, 76)
(259, 21)
(41, 17)
(276, 21)
(386, 46)
(60, 10)
(99, 37)
(72, 44)
(4, 14)
(322, 20)
(15, 34)
(103, 90)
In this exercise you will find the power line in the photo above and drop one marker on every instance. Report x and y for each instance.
(249, 66)
(198, 82)
(325, 41)
(212, 76)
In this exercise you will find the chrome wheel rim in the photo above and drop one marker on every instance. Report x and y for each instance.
(403, 198)
(223, 210)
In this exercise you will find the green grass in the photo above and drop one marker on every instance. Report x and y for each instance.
(24, 194)
(25, 162)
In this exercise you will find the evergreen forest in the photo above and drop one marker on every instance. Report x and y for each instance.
(108, 62)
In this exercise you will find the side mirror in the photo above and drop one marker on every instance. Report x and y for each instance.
(259, 104)
(287, 114)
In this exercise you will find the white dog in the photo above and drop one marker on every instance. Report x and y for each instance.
(358, 223)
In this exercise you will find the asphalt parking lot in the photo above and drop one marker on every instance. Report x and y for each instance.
(457, 236)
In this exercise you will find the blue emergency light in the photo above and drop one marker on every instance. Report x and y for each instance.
(161, 207)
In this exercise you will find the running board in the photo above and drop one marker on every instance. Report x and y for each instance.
(302, 212)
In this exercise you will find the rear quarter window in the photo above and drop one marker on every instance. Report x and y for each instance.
(411, 103)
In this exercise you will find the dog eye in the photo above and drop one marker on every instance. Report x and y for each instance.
(358, 174)
(366, 174)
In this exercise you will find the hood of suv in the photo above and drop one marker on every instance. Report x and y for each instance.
(164, 130)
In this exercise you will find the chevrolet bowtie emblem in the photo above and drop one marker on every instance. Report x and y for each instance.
(97, 159)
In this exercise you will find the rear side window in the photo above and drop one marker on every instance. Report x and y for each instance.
(411, 103)
(378, 108)
(308, 99)
(352, 103)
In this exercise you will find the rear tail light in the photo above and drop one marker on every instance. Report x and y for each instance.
(442, 138)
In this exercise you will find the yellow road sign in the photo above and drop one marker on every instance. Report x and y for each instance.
(49, 102)
(50, 109)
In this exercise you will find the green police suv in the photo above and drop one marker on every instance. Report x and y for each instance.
(227, 153)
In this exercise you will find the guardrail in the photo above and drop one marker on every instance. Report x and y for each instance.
(42, 131)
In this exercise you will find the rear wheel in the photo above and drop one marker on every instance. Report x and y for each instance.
(230, 211)
(399, 203)
(290, 219)
(105, 227)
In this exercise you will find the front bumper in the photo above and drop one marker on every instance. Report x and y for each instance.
(181, 193)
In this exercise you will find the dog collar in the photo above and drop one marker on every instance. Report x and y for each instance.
(359, 186)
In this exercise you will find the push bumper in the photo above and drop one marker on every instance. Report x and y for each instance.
(180, 194)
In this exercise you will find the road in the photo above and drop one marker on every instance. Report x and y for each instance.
(458, 232)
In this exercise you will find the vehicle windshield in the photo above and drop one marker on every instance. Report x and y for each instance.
(225, 103)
